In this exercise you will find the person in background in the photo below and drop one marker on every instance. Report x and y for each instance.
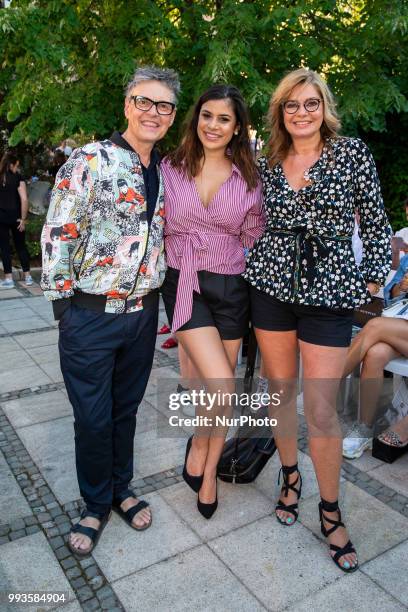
(213, 207)
(305, 283)
(400, 241)
(380, 340)
(13, 218)
(58, 160)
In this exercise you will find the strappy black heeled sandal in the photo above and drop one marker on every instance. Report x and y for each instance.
(348, 548)
(91, 532)
(291, 508)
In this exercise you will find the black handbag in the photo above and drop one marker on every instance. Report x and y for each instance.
(244, 457)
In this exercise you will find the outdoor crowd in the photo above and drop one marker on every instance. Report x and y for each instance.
(225, 238)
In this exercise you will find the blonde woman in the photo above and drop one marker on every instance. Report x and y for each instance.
(305, 283)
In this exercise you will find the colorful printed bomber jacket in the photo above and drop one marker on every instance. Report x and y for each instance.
(97, 238)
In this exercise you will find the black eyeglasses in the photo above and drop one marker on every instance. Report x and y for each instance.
(145, 104)
(292, 106)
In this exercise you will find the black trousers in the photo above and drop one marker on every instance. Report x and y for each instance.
(19, 243)
(106, 361)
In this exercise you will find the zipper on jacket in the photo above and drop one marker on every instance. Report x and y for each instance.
(140, 265)
(147, 240)
(84, 246)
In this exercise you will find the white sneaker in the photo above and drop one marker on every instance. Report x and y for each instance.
(28, 280)
(8, 283)
(355, 444)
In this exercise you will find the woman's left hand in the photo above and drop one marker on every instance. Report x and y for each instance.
(373, 288)
(21, 225)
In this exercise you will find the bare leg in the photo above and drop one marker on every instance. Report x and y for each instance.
(187, 371)
(323, 367)
(214, 360)
(372, 377)
(279, 359)
(381, 329)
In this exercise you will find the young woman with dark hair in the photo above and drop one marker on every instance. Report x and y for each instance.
(13, 216)
(213, 212)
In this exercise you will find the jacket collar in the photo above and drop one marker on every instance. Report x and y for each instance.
(118, 140)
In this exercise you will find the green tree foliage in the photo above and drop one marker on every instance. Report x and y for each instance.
(65, 63)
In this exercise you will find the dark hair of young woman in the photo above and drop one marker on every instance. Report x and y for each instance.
(188, 156)
(8, 159)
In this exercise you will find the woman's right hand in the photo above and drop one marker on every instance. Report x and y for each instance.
(21, 225)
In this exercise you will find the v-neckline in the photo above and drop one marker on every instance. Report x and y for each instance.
(318, 161)
(215, 194)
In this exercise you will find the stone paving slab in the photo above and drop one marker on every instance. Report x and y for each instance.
(22, 378)
(14, 314)
(51, 444)
(44, 354)
(20, 569)
(123, 550)
(8, 345)
(160, 374)
(53, 370)
(6, 294)
(33, 409)
(148, 419)
(373, 527)
(12, 304)
(394, 475)
(366, 462)
(154, 454)
(74, 606)
(27, 323)
(14, 360)
(238, 506)
(38, 303)
(12, 502)
(354, 592)
(33, 340)
(390, 571)
(277, 563)
(194, 580)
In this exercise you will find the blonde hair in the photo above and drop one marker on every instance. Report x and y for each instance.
(279, 139)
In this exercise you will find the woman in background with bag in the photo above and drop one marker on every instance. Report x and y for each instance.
(305, 283)
(381, 339)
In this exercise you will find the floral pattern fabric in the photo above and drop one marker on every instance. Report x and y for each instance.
(305, 255)
(97, 238)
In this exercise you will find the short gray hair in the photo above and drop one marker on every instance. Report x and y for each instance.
(168, 77)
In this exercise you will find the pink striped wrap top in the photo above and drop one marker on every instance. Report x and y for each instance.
(209, 238)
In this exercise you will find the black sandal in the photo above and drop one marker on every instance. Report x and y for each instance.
(339, 551)
(130, 514)
(291, 508)
(92, 533)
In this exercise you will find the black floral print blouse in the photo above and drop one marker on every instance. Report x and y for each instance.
(305, 255)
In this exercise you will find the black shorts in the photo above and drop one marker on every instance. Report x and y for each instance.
(315, 324)
(223, 303)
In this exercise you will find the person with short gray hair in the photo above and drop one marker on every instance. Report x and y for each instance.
(166, 76)
(103, 264)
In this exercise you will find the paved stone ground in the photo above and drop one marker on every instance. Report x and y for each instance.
(240, 560)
